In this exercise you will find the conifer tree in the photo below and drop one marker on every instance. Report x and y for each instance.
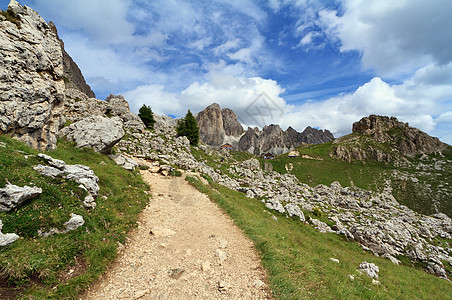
(147, 116)
(188, 127)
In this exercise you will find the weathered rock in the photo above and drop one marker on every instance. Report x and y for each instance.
(124, 161)
(79, 173)
(320, 226)
(294, 210)
(13, 196)
(31, 84)
(7, 238)
(96, 132)
(73, 223)
(370, 269)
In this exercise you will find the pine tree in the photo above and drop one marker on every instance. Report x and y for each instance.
(188, 127)
(147, 116)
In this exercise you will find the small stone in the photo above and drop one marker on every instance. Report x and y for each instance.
(161, 232)
(205, 266)
(375, 282)
(274, 218)
(258, 283)
(140, 294)
(176, 273)
(222, 256)
(369, 268)
(223, 286)
(352, 278)
(223, 244)
(334, 259)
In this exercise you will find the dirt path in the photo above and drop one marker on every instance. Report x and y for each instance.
(184, 248)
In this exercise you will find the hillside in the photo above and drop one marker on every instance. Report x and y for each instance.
(364, 216)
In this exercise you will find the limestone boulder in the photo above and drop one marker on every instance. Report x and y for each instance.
(96, 132)
(13, 196)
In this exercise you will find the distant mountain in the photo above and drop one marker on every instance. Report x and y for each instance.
(385, 139)
(219, 126)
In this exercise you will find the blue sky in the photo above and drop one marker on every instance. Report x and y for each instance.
(324, 64)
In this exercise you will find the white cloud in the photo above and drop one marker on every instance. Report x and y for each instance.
(394, 37)
(422, 105)
(237, 93)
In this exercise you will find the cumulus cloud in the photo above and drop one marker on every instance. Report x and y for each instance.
(243, 95)
(394, 37)
(422, 105)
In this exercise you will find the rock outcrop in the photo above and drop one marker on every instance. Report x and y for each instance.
(73, 77)
(385, 139)
(218, 126)
(13, 196)
(96, 132)
(31, 77)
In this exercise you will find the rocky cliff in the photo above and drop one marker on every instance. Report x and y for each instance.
(31, 77)
(218, 126)
(73, 77)
(385, 139)
(274, 140)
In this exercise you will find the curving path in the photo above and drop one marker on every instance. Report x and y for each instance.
(185, 247)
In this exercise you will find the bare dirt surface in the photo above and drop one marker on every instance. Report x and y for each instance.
(185, 247)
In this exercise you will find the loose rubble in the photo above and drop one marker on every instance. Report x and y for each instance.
(370, 269)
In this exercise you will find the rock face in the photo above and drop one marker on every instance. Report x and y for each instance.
(370, 132)
(276, 141)
(78, 106)
(31, 78)
(218, 126)
(13, 196)
(73, 77)
(95, 132)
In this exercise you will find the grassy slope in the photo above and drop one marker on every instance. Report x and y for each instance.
(370, 175)
(38, 264)
(297, 257)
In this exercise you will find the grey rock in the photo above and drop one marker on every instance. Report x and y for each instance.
(13, 196)
(7, 238)
(320, 226)
(294, 210)
(370, 269)
(96, 132)
(79, 173)
(73, 223)
(31, 78)
(124, 161)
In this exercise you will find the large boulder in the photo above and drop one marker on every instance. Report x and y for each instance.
(96, 132)
(13, 196)
(31, 78)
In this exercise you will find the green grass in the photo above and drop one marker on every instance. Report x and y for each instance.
(38, 265)
(296, 257)
(371, 175)
(324, 169)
